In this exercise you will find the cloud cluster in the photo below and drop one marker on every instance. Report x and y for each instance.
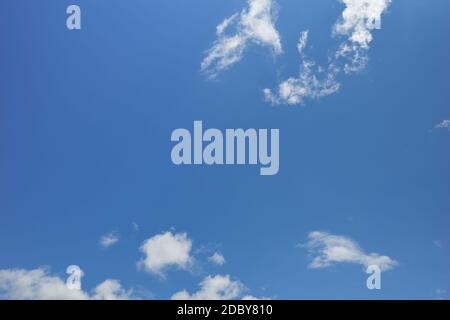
(39, 284)
(254, 24)
(328, 249)
(166, 250)
(359, 19)
(159, 252)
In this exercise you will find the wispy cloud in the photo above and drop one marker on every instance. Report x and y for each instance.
(443, 125)
(39, 284)
(327, 249)
(217, 258)
(358, 20)
(313, 80)
(254, 24)
(109, 239)
(438, 244)
(166, 250)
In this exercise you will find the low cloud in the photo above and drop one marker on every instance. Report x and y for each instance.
(111, 290)
(254, 24)
(213, 288)
(327, 249)
(250, 297)
(217, 259)
(39, 284)
(218, 287)
(166, 250)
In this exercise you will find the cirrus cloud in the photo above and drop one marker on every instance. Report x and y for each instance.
(254, 24)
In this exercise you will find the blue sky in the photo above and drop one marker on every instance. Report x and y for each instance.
(86, 117)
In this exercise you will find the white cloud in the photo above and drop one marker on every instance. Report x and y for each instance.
(213, 288)
(329, 249)
(443, 125)
(166, 250)
(217, 258)
(35, 284)
(250, 297)
(109, 239)
(254, 24)
(313, 81)
(111, 290)
(39, 284)
(302, 42)
(358, 20)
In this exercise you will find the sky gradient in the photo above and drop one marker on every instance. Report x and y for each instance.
(86, 176)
